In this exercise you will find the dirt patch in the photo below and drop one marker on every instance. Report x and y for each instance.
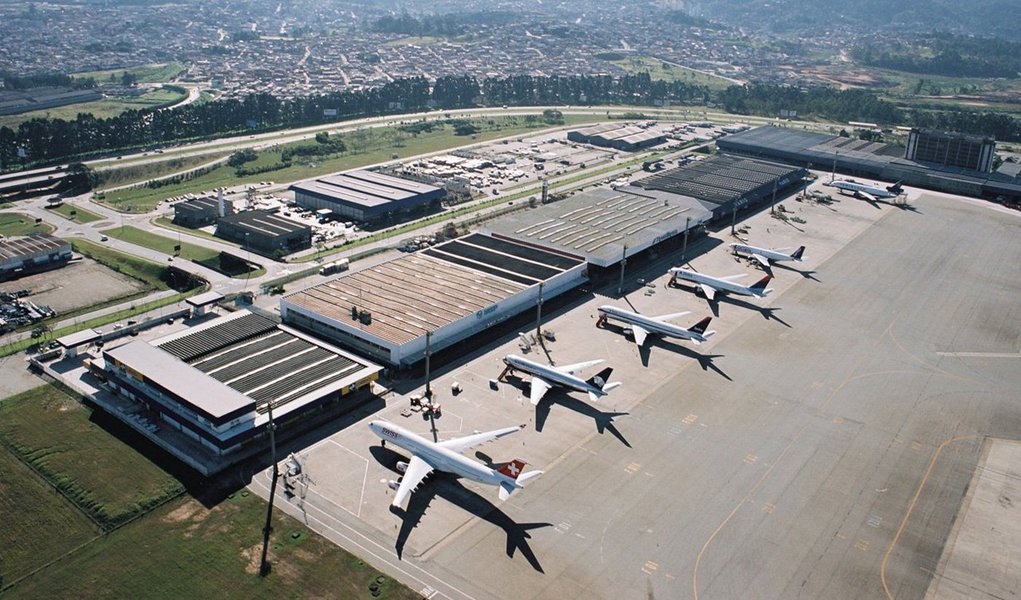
(79, 284)
(189, 511)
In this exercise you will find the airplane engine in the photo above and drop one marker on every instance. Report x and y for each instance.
(402, 467)
(393, 485)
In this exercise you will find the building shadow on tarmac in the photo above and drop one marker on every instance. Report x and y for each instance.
(449, 488)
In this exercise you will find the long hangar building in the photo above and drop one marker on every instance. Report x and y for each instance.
(455, 290)
(365, 196)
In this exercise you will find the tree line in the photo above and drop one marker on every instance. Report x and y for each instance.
(945, 54)
(48, 140)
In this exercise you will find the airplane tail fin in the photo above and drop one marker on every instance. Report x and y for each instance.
(701, 326)
(507, 488)
(895, 188)
(599, 379)
(760, 285)
(797, 254)
(513, 468)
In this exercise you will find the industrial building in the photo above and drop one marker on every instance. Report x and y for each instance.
(38, 252)
(601, 226)
(868, 159)
(438, 296)
(951, 149)
(209, 388)
(264, 232)
(622, 137)
(365, 196)
(201, 212)
(724, 184)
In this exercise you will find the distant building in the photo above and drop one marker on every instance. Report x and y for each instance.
(622, 137)
(365, 195)
(264, 232)
(951, 149)
(38, 252)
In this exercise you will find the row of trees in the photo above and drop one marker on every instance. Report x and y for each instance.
(945, 54)
(41, 140)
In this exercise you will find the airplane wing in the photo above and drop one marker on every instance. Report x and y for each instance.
(571, 369)
(470, 441)
(640, 334)
(417, 470)
(710, 292)
(539, 388)
(672, 316)
(734, 277)
(866, 196)
(762, 260)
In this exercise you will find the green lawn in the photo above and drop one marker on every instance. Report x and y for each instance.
(40, 524)
(81, 215)
(159, 73)
(131, 266)
(12, 224)
(107, 107)
(365, 147)
(104, 476)
(199, 254)
(185, 550)
(659, 69)
(116, 173)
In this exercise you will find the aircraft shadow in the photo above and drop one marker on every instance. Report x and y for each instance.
(449, 488)
(603, 420)
(768, 313)
(706, 361)
(807, 274)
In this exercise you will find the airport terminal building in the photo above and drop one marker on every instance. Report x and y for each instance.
(209, 387)
(936, 164)
(447, 293)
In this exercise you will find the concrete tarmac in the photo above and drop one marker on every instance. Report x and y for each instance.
(822, 450)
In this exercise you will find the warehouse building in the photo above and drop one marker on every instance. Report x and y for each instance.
(366, 196)
(204, 393)
(622, 137)
(601, 226)
(724, 184)
(869, 159)
(201, 212)
(446, 293)
(264, 232)
(26, 255)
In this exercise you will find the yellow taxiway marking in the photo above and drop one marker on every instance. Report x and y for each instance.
(688, 420)
(632, 468)
(650, 567)
(862, 545)
(750, 459)
(768, 508)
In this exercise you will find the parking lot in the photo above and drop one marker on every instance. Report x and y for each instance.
(819, 444)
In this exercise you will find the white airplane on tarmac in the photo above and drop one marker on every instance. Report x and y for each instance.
(711, 285)
(765, 256)
(868, 193)
(643, 326)
(544, 378)
(427, 456)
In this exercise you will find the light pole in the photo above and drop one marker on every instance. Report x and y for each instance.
(264, 566)
(684, 248)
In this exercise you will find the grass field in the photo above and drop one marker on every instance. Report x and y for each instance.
(159, 73)
(143, 270)
(365, 147)
(185, 550)
(117, 175)
(81, 215)
(20, 224)
(40, 524)
(659, 69)
(107, 107)
(102, 475)
(199, 254)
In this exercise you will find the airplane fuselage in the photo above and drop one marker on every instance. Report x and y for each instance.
(552, 376)
(853, 186)
(438, 457)
(653, 326)
(721, 285)
(772, 255)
